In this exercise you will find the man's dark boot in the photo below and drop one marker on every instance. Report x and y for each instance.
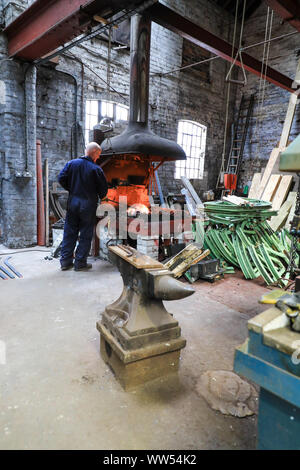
(67, 267)
(84, 267)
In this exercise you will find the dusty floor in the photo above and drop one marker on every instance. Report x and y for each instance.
(56, 393)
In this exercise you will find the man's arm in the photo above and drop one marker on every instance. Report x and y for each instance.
(101, 183)
(63, 177)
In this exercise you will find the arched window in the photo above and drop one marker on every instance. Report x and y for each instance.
(192, 138)
(95, 110)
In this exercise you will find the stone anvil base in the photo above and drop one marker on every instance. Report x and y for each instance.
(136, 367)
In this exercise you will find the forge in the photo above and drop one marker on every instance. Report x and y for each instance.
(131, 159)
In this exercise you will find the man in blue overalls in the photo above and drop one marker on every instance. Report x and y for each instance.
(85, 182)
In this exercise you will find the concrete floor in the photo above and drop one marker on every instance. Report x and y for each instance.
(56, 393)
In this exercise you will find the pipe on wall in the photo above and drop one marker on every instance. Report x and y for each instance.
(41, 229)
(75, 124)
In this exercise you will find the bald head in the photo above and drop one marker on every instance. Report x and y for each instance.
(93, 150)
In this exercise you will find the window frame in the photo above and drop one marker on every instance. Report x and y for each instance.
(100, 115)
(191, 136)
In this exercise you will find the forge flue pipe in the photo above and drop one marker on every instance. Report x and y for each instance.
(40, 197)
(140, 36)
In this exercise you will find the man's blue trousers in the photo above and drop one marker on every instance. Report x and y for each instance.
(80, 221)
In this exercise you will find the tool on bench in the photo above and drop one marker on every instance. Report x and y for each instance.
(288, 303)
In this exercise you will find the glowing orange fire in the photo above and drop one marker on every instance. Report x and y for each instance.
(132, 210)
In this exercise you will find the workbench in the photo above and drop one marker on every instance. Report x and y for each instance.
(270, 357)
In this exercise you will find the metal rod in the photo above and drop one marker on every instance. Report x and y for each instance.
(97, 75)
(7, 272)
(47, 201)
(218, 57)
(3, 277)
(12, 267)
(40, 197)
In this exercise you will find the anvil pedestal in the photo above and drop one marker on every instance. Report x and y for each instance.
(140, 340)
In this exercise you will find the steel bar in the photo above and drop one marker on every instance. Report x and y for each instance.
(44, 26)
(3, 277)
(289, 10)
(7, 272)
(12, 267)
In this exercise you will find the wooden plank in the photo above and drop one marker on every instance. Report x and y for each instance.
(268, 170)
(282, 192)
(291, 197)
(277, 221)
(182, 255)
(290, 112)
(185, 265)
(254, 185)
(238, 201)
(271, 188)
(135, 258)
(288, 120)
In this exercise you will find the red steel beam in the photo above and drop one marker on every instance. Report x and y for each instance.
(171, 20)
(46, 25)
(289, 10)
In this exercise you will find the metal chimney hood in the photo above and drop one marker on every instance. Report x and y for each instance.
(138, 139)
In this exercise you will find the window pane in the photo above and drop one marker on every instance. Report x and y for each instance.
(94, 107)
(179, 138)
(121, 113)
(110, 110)
(103, 109)
(192, 137)
(93, 121)
(91, 117)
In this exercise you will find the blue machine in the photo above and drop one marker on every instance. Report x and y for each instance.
(270, 357)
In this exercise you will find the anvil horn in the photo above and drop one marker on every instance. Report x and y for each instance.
(168, 288)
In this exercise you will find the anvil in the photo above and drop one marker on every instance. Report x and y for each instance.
(140, 339)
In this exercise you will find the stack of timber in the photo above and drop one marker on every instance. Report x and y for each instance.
(270, 186)
(180, 263)
(275, 189)
(241, 236)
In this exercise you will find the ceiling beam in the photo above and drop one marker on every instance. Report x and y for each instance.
(289, 10)
(171, 20)
(46, 25)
